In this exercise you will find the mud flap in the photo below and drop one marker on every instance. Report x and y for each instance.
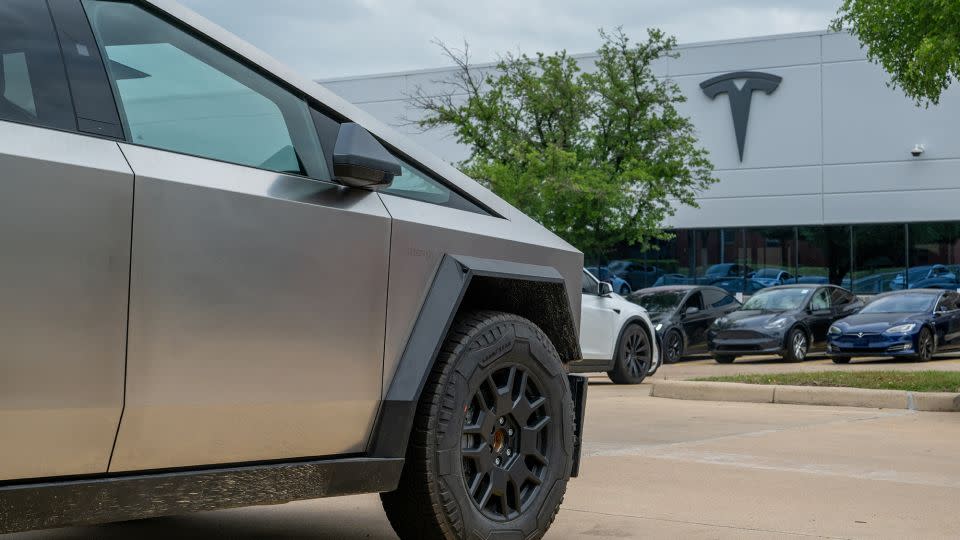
(578, 391)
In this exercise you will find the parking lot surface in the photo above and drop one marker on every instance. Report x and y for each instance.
(660, 468)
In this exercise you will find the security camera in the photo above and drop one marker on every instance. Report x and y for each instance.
(917, 150)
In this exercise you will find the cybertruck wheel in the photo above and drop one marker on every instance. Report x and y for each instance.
(633, 356)
(492, 444)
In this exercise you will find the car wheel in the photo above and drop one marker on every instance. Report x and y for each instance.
(925, 346)
(624, 290)
(672, 347)
(633, 356)
(724, 358)
(492, 444)
(838, 360)
(798, 345)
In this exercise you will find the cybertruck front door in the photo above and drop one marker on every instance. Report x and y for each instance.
(258, 287)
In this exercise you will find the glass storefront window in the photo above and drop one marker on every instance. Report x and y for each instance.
(771, 253)
(823, 255)
(879, 257)
(721, 260)
(934, 257)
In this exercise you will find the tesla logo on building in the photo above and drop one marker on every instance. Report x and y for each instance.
(740, 97)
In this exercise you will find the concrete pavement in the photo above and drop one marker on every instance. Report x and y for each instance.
(706, 367)
(661, 468)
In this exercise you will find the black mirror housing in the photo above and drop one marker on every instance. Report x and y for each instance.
(359, 160)
(606, 288)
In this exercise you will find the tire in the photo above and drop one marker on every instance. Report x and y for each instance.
(494, 366)
(797, 345)
(672, 347)
(633, 356)
(925, 346)
(841, 360)
(724, 358)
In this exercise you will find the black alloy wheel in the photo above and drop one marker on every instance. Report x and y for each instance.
(634, 356)
(672, 347)
(925, 346)
(505, 443)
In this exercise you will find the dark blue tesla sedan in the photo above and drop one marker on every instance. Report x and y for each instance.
(914, 323)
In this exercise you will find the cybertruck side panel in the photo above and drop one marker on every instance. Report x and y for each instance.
(256, 315)
(423, 233)
(65, 205)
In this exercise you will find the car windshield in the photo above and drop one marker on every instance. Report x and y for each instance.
(768, 273)
(777, 300)
(901, 303)
(657, 302)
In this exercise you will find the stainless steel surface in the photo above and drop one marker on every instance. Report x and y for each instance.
(65, 203)
(246, 341)
(424, 232)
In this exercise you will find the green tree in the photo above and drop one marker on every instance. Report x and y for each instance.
(916, 41)
(600, 157)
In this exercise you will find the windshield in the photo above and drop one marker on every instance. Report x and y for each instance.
(778, 300)
(658, 302)
(901, 303)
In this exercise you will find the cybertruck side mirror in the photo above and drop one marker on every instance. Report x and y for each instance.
(359, 160)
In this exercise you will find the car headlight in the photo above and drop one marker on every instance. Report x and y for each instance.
(776, 324)
(901, 329)
(659, 326)
(834, 331)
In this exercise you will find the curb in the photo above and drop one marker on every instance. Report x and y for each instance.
(807, 395)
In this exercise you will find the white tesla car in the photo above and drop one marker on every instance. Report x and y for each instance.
(616, 335)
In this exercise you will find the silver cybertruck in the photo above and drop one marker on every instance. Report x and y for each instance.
(224, 286)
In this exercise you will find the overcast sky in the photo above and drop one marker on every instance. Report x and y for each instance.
(326, 39)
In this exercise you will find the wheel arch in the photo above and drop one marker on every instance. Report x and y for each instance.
(535, 292)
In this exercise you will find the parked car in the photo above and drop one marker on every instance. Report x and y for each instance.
(673, 279)
(771, 277)
(915, 323)
(724, 271)
(789, 320)
(682, 314)
(935, 276)
(198, 247)
(739, 285)
(616, 336)
(639, 275)
(620, 286)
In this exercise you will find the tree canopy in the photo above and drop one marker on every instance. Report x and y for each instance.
(916, 41)
(597, 153)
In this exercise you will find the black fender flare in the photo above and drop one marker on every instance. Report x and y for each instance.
(444, 298)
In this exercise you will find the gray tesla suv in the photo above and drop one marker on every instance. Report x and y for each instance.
(224, 286)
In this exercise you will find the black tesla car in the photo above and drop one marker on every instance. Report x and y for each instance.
(915, 323)
(681, 315)
(789, 320)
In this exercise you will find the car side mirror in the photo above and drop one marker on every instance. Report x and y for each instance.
(359, 160)
(606, 289)
(692, 310)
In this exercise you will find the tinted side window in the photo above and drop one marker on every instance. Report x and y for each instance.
(178, 93)
(33, 83)
(416, 184)
(717, 299)
(948, 302)
(821, 299)
(841, 297)
(588, 284)
(695, 300)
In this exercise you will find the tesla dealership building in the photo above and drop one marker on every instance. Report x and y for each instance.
(824, 172)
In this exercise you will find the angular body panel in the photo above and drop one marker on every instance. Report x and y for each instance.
(65, 204)
(257, 315)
